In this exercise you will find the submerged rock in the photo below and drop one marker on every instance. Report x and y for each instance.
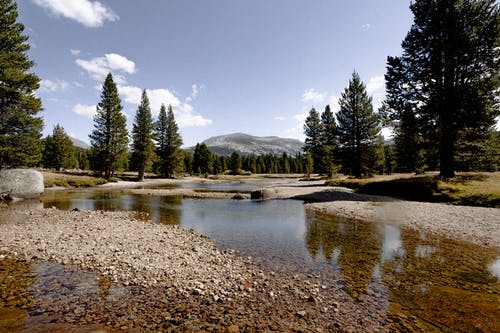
(21, 183)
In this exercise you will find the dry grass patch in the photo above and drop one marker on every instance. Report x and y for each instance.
(54, 179)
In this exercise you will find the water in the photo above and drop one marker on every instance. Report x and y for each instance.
(451, 284)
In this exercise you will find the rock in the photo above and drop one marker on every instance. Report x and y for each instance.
(21, 183)
(301, 314)
(238, 196)
(256, 195)
(233, 329)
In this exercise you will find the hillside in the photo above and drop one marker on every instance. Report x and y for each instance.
(245, 144)
(79, 143)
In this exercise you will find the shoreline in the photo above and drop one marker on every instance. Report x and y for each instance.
(478, 225)
(177, 272)
(180, 276)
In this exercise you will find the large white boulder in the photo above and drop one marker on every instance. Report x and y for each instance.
(21, 183)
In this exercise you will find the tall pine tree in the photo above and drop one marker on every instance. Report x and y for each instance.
(142, 137)
(169, 142)
(109, 138)
(313, 130)
(451, 66)
(20, 129)
(357, 128)
(329, 141)
(58, 150)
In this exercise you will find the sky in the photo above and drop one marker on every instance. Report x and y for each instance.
(225, 66)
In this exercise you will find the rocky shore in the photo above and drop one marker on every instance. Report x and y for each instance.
(164, 278)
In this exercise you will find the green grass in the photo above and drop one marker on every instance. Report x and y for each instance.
(471, 189)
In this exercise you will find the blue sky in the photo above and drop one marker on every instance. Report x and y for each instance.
(225, 65)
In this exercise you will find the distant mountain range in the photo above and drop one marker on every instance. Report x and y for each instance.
(79, 143)
(245, 144)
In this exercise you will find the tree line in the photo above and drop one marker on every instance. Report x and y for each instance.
(441, 102)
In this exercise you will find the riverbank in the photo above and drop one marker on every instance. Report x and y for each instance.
(478, 225)
(164, 278)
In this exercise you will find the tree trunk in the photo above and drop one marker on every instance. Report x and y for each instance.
(141, 173)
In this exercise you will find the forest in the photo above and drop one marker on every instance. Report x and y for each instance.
(441, 104)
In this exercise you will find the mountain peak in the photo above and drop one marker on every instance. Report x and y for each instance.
(246, 144)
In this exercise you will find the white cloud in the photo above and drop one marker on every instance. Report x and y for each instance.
(301, 117)
(334, 104)
(85, 110)
(311, 95)
(99, 67)
(279, 118)
(91, 14)
(376, 88)
(51, 86)
(375, 84)
(366, 26)
(75, 52)
(296, 132)
(184, 115)
(195, 90)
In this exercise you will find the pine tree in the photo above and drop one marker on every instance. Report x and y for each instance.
(357, 128)
(235, 163)
(20, 129)
(313, 130)
(329, 141)
(202, 159)
(169, 142)
(142, 137)
(58, 152)
(450, 74)
(109, 138)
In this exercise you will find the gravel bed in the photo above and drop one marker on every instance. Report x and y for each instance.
(162, 278)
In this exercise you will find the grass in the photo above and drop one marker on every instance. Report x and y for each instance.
(471, 189)
(53, 179)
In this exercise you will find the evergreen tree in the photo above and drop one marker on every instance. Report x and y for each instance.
(142, 137)
(109, 138)
(358, 127)
(58, 152)
(400, 111)
(82, 158)
(313, 130)
(202, 159)
(329, 141)
(448, 74)
(235, 163)
(20, 129)
(169, 142)
(188, 162)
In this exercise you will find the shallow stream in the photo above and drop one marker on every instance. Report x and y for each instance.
(416, 277)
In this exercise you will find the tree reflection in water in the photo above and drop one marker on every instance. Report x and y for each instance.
(358, 246)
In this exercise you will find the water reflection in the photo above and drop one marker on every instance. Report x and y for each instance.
(423, 281)
(438, 282)
(494, 268)
(357, 244)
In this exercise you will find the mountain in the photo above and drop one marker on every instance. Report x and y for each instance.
(245, 144)
(79, 143)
